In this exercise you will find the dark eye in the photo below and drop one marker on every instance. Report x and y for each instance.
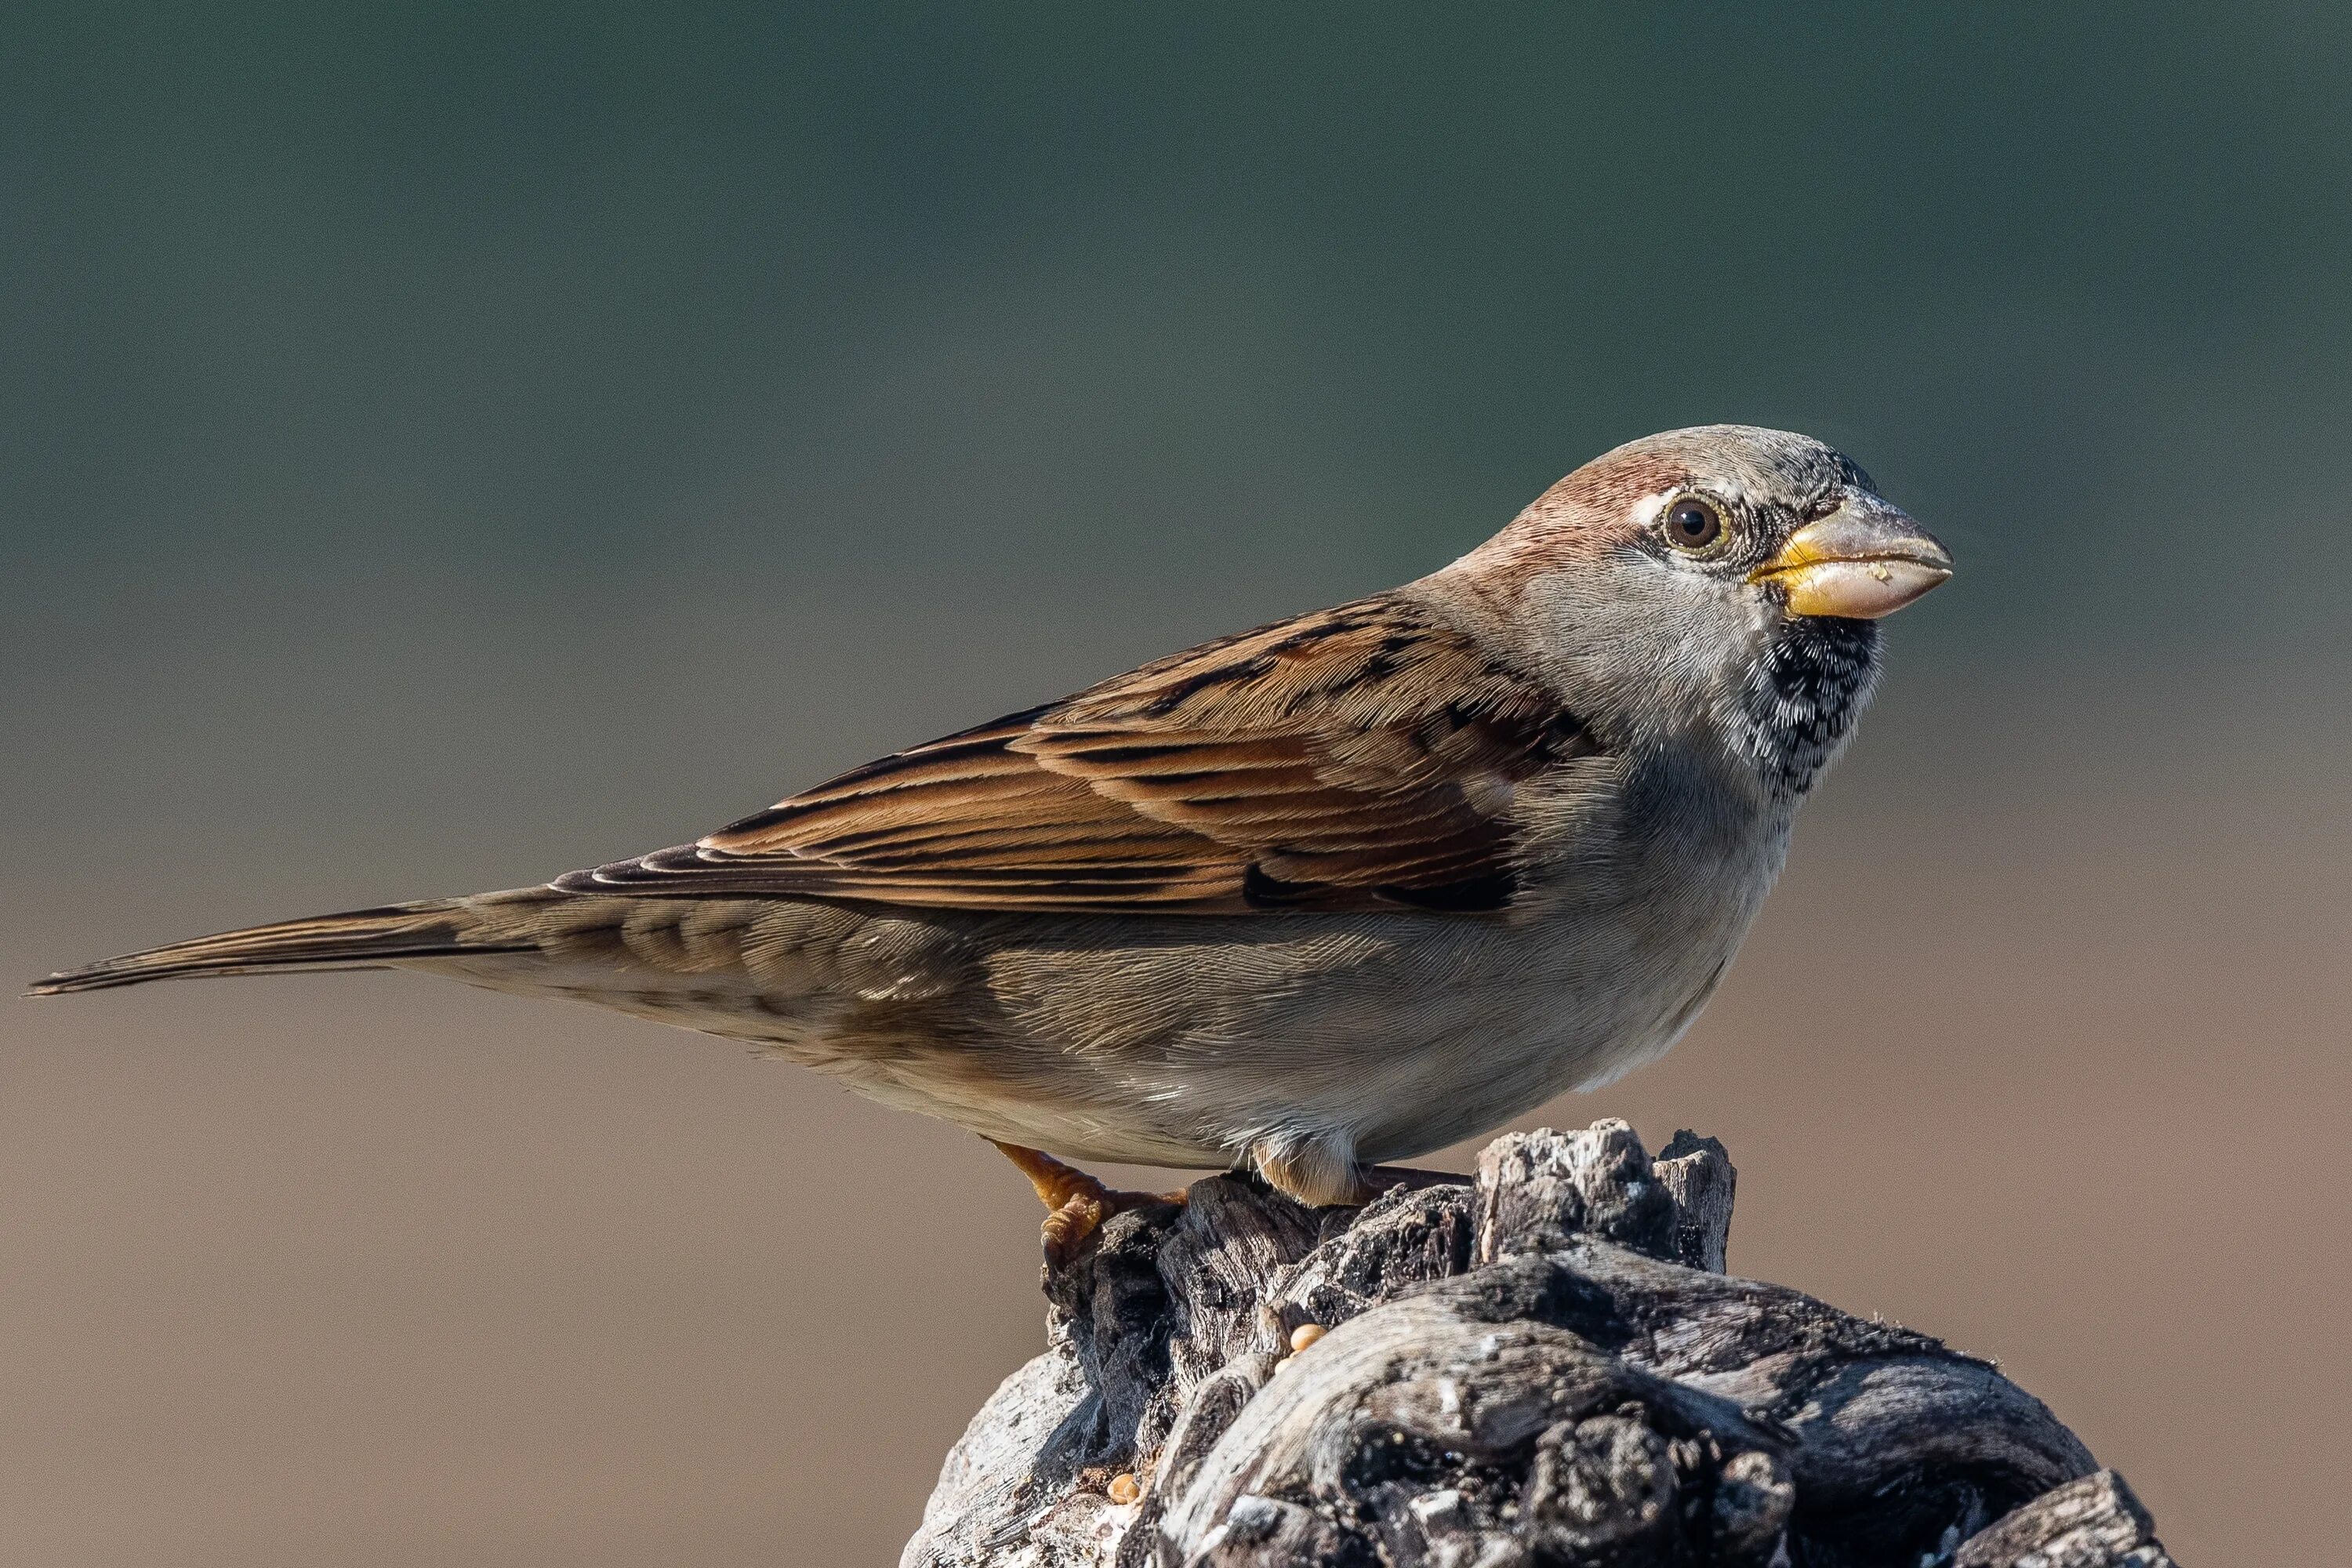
(1694, 524)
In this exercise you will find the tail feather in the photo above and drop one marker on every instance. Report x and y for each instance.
(361, 938)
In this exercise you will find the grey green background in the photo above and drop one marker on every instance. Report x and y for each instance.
(440, 447)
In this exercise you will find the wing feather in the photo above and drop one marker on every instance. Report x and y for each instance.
(1362, 757)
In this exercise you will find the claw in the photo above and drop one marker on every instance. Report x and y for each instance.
(1078, 1204)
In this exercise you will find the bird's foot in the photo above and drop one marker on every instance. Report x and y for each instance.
(1379, 1179)
(1076, 1204)
(1322, 1174)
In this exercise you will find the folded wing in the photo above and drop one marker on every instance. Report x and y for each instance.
(1362, 757)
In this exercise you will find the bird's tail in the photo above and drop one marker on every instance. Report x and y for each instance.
(363, 939)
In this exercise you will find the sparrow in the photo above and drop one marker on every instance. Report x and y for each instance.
(1309, 900)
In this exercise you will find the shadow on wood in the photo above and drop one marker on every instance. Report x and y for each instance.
(1544, 1367)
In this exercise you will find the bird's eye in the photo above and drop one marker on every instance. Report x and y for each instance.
(1693, 523)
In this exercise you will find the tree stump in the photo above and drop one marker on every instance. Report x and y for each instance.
(1544, 1366)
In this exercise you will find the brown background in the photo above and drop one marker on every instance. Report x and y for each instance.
(361, 1271)
(443, 448)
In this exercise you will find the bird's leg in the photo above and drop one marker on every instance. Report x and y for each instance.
(1380, 1178)
(1076, 1204)
(1322, 1172)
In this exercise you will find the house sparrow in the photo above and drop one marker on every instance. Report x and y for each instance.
(1341, 889)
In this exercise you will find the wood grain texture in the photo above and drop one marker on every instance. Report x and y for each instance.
(1543, 1367)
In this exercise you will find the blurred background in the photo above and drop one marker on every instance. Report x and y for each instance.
(444, 445)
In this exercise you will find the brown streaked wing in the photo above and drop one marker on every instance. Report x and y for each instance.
(1361, 757)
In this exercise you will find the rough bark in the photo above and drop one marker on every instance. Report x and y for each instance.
(1544, 1367)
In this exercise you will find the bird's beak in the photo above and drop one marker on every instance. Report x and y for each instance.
(1863, 561)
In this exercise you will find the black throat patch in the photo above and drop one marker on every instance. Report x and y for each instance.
(1806, 693)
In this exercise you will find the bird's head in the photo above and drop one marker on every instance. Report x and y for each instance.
(1723, 576)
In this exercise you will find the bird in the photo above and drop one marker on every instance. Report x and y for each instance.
(1308, 900)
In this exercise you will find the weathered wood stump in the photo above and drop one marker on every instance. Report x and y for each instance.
(1544, 1367)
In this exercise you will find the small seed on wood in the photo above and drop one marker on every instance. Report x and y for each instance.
(1125, 1488)
(1306, 1335)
